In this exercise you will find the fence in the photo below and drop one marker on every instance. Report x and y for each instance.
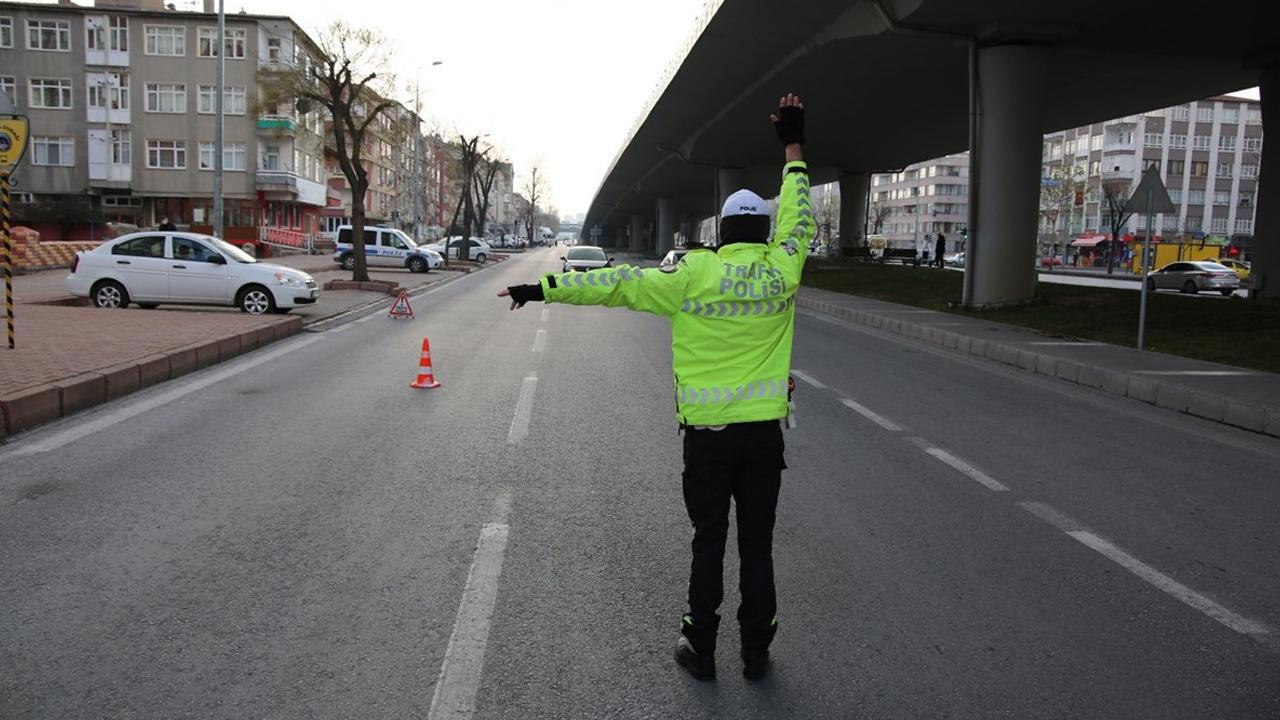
(289, 240)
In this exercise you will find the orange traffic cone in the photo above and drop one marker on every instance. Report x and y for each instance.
(426, 379)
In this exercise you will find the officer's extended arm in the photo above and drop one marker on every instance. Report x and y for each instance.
(645, 289)
(796, 226)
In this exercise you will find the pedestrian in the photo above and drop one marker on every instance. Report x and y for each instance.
(165, 224)
(732, 315)
(940, 247)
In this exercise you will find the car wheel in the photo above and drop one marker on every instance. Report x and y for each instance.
(417, 265)
(256, 300)
(1190, 287)
(1151, 284)
(148, 306)
(480, 258)
(110, 294)
(348, 262)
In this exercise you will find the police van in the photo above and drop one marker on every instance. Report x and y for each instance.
(385, 247)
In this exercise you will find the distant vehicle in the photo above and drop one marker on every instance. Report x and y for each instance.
(567, 238)
(151, 268)
(672, 257)
(954, 259)
(479, 250)
(1242, 268)
(1047, 261)
(585, 257)
(385, 247)
(1192, 277)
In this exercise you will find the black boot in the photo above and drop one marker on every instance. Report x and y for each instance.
(702, 667)
(755, 664)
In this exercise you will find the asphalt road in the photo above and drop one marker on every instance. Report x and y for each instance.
(298, 534)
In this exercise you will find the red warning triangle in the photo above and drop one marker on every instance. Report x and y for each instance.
(402, 308)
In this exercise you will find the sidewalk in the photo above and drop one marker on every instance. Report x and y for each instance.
(1247, 399)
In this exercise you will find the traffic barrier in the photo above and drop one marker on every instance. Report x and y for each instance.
(426, 379)
(401, 308)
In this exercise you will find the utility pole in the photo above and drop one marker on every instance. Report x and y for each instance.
(218, 229)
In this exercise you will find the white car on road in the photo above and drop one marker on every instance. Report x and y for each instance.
(385, 247)
(585, 257)
(479, 251)
(151, 268)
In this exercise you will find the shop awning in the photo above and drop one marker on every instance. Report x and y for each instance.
(1089, 240)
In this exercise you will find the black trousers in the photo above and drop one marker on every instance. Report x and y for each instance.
(743, 462)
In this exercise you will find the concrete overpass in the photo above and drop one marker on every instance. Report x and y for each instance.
(891, 82)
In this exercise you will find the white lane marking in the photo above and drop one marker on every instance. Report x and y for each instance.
(59, 438)
(459, 681)
(546, 313)
(524, 410)
(805, 377)
(540, 341)
(1173, 588)
(1196, 373)
(871, 415)
(1064, 343)
(340, 328)
(965, 468)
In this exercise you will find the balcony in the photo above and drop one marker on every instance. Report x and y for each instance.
(285, 185)
(277, 125)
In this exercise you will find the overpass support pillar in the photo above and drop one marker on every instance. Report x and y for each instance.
(667, 222)
(637, 234)
(853, 208)
(620, 238)
(1010, 144)
(1265, 275)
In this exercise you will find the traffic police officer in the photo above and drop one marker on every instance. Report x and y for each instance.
(732, 314)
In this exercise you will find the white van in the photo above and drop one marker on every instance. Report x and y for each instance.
(385, 247)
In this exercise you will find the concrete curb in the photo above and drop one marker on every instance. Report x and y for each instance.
(1161, 393)
(37, 405)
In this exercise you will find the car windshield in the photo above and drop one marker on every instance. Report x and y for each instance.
(229, 250)
(407, 240)
(586, 254)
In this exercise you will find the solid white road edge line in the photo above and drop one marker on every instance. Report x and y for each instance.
(805, 377)
(871, 415)
(524, 410)
(104, 420)
(1175, 589)
(965, 468)
(540, 341)
(460, 673)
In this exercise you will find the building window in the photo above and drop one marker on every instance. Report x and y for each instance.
(1195, 197)
(1218, 225)
(167, 154)
(1204, 113)
(1095, 142)
(121, 147)
(1175, 195)
(1177, 167)
(232, 156)
(1177, 141)
(9, 87)
(235, 41)
(1151, 139)
(53, 151)
(1254, 116)
(1221, 197)
(1200, 142)
(233, 99)
(274, 53)
(1249, 171)
(1227, 142)
(1193, 223)
(49, 35)
(109, 90)
(1244, 225)
(6, 32)
(1225, 169)
(49, 93)
(1230, 114)
(166, 98)
(1253, 144)
(1152, 164)
(168, 40)
(116, 34)
(1095, 167)
(1182, 112)
(271, 157)
(1246, 199)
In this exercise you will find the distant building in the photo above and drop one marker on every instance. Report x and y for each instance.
(920, 201)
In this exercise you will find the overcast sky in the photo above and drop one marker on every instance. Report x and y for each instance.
(561, 80)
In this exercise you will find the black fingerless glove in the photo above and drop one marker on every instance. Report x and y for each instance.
(522, 294)
(790, 125)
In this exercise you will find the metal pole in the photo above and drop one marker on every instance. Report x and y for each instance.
(1146, 253)
(218, 228)
(975, 117)
(8, 255)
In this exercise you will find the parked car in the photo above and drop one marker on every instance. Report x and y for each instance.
(479, 250)
(954, 259)
(1192, 277)
(585, 257)
(672, 257)
(385, 247)
(1047, 261)
(1241, 268)
(151, 268)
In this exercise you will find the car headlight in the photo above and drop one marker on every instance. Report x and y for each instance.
(290, 281)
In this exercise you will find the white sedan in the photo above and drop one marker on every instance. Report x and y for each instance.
(150, 268)
(585, 257)
(478, 251)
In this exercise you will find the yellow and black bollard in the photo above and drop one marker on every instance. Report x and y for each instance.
(8, 256)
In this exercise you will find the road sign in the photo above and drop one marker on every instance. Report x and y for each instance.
(1151, 196)
(14, 132)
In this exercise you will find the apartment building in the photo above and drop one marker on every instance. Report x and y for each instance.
(1208, 153)
(121, 98)
(910, 207)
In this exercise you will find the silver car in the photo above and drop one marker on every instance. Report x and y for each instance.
(585, 257)
(1192, 277)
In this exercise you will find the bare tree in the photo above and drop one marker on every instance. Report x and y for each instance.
(1115, 195)
(533, 191)
(1058, 197)
(347, 76)
(482, 185)
(879, 212)
(828, 215)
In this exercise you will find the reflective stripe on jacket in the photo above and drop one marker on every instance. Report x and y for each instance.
(732, 313)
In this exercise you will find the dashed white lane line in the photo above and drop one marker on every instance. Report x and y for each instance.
(966, 469)
(104, 420)
(546, 313)
(540, 341)
(524, 411)
(459, 681)
(871, 415)
(1243, 625)
(810, 380)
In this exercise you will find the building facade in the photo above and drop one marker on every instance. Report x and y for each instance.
(910, 207)
(121, 99)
